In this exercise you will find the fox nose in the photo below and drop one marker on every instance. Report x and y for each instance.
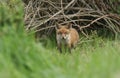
(63, 36)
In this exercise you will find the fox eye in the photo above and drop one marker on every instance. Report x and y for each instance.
(66, 32)
(59, 33)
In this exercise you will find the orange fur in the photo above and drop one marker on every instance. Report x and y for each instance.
(66, 35)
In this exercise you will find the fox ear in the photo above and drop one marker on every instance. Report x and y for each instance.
(69, 25)
(57, 26)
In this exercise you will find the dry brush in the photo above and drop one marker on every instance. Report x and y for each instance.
(85, 15)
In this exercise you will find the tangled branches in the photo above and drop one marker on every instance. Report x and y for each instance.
(42, 15)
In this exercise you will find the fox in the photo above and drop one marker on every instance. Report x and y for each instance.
(66, 36)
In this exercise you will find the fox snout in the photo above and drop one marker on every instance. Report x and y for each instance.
(63, 36)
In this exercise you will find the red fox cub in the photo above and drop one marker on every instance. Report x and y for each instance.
(66, 36)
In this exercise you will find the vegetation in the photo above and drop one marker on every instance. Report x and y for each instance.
(85, 15)
(22, 57)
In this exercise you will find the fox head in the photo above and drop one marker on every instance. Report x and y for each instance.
(63, 31)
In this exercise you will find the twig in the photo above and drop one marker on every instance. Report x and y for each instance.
(54, 14)
(94, 21)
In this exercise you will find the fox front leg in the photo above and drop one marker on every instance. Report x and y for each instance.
(59, 48)
(69, 48)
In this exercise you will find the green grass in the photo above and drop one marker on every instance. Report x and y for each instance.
(22, 57)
